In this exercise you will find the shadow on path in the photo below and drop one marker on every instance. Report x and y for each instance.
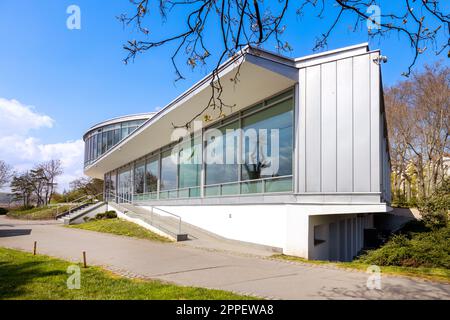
(14, 233)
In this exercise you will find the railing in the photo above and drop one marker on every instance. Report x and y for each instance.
(263, 185)
(76, 204)
(189, 192)
(115, 196)
(177, 217)
(152, 209)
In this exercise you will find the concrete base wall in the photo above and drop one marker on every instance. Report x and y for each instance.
(290, 227)
(261, 224)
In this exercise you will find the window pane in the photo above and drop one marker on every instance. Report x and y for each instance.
(267, 142)
(183, 193)
(124, 185)
(280, 97)
(220, 166)
(194, 192)
(104, 142)
(164, 194)
(168, 171)
(110, 139)
(99, 145)
(139, 174)
(151, 176)
(113, 183)
(212, 191)
(94, 147)
(278, 185)
(251, 187)
(190, 163)
(229, 189)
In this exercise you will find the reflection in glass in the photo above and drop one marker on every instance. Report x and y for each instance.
(168, 171)
(104, 138)
(151, 176)
(216, 166)
(124, 185)
(262, 159)
(190, 163)
(139, 175)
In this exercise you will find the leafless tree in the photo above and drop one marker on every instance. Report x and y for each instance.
(50, 170)
(418, 112)
(421, 25)
(87, 186)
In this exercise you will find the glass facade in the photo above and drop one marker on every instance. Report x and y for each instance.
(151, 175)
(124, 185)
(99, 141)
(139, 177)
(271, 155)
(247, 153)
(222, 166)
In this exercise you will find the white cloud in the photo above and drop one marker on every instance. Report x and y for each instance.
(23, 151)
(20, 119)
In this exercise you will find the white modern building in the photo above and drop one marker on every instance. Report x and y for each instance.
(309, 185)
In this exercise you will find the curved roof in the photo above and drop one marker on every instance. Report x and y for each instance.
(131, 117)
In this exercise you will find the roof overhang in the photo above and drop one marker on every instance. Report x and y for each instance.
(261, 74)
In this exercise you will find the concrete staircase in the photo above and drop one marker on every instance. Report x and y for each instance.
(191, 235)
(78, 212)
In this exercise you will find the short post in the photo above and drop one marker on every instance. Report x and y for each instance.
(34, 248)
(84, 259)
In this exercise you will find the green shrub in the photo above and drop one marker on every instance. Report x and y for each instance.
(3, 211)
(424, 249)
(111, 214)
(99, 216)
(25, 208)
(106, 215)
(412, 227)
(434, 210)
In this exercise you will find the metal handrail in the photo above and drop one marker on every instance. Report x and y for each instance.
(171, 214)
(152, 210)
(248, 180)
(122, 198)
(78, 204)
(215, 185)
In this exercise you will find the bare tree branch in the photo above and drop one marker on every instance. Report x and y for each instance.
(422, 23)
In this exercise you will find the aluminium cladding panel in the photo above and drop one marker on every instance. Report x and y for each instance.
(339, 134)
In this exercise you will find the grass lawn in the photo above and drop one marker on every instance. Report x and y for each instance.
(415, 251)
(120, 227)
(27, 277)
(43, 213)
(436, 274)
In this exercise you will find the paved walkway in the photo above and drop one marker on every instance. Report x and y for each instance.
(211, 269)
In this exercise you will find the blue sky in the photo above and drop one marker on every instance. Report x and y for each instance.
(77, 77)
